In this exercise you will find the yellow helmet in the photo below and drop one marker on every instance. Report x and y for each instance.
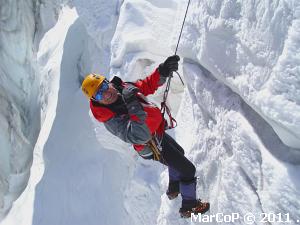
(91, 83)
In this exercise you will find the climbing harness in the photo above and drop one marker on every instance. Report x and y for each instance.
(164, 107)
(155, 149)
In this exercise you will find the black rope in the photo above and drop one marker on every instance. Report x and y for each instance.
(182, 26)
(169, 78)
(180, 36)
(164, 107)
(166, 92)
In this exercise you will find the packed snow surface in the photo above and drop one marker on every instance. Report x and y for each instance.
(238, 113)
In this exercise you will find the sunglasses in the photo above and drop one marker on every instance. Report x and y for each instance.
(99, 94)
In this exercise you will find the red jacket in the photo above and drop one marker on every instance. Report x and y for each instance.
(154, 119)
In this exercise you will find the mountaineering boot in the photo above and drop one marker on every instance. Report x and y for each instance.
(173, 189)
(190, 204)
(193, 206)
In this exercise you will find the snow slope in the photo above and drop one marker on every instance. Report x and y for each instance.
(239, 64)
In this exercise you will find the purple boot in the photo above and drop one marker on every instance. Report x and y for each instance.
(190, 204)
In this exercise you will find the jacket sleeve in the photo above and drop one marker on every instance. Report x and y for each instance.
(130, 128)
(151, 83)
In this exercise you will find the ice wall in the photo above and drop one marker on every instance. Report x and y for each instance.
(21, 24)
(19, 120)
(253, 47)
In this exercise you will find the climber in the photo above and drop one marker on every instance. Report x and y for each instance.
(127, 114)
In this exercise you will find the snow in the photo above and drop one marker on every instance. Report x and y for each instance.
(254, 48)
(239, 167)
(238, 113)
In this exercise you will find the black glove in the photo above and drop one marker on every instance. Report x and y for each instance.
(170, 65)
(129, 93)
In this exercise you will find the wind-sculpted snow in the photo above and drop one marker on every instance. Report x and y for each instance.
(100, 19)
(144, 26)
(238, 155)
(252, 46)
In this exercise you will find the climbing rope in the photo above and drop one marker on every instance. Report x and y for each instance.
(164, 107)
(182, 26)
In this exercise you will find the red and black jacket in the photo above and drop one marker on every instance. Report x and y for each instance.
(133, 126)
